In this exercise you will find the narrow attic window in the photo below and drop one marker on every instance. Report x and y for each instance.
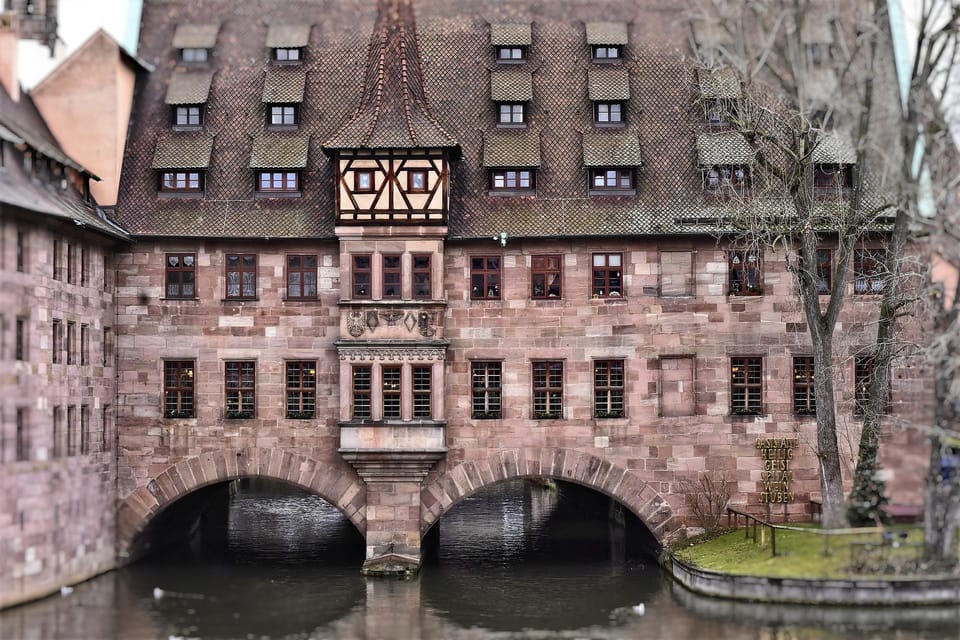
(511, 54)
(608, 113)
(194, 55)
(288, 55)
(725, 181)
(832, 181)
(719, 112)
(282, 115)
(606, 40)
(512, 113)
(609, 53)
(278, 182)
(611, 180)
(181, 181)
(188, 116)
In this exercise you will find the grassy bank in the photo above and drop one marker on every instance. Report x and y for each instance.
(805, 554)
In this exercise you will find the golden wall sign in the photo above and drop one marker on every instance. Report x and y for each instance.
(776, 478)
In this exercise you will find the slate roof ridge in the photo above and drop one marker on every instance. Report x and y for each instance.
(393, 85)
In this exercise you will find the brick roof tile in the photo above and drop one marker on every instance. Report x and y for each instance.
(729, 147)
(284, 85)
(514, 149)
(608, 84)
(288, 35)
(196, 36)
(183, 151)
(510, 34)
(721, 82)
(606, 33)
(512, 85)
(279, 152)
(188, 87)
(611, 150)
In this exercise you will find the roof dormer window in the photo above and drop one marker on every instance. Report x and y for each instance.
(194, 55)
(609, 53)
(195, 42)
(607, 41)
(290, 55)
(511, 54)
(510, 41)
(188, 116)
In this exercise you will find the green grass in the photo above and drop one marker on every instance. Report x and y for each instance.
(802, 554)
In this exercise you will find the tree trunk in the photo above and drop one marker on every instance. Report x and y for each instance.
(828, 451)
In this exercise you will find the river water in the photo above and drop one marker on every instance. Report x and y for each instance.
(516, 561)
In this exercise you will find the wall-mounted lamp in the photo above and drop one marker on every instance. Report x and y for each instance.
(502, 238)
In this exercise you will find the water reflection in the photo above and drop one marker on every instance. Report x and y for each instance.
(516, 561)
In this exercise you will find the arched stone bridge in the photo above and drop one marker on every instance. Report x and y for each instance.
(383, 511)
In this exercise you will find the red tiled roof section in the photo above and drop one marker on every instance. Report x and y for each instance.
(393, 112)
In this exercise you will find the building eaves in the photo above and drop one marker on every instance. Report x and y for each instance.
(512, 85)
(183, 152)
(189, 87)
(505, 34)
(279, 152)
(726, 148)
(288, 35)
(608, 84)
(601, 33)
(284, 86)
(505, 150)
(611, 150)
(196, 36)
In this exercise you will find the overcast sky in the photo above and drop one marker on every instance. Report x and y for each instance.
(78, 20)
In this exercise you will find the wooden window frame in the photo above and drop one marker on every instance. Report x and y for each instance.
(71, 342)
(21, 243)
(71, 263)
(547, 376)
(804, 393)
(361, 276)
(742, 279)
(422, 276)
(287, 111)
(107, 347)
(84, 266)
(863, 367)
(84, 429)
(241, 269)
(618, 177)
(361, 377)
(84, 344)
(609, 388)
(359, 175)
(391, 392)
(486, 277)
(281, 55)
(869, 269)
(600, 53)
(511, 181)
(174, 274)
(277, 181)
(239, 389)
(391, 276)
(105, 419)
(415, 175)
(189, 181)
(178, 388)
(20, 339)
(192, 55)
(602, 282)
(57, 259)
(56, 448)
(301, 389)
(546, 277)
(187, 116)
(303, 268)
(511, 54)
(746, 385)
(487, 384)
(71, 448)
(422, 377)
(22, 452)
(606, 108)
(515, 112)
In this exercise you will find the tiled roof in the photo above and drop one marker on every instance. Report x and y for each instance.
(608, 84)
(284, 85)
(729, 147)
(22, 124)
(514, 149)
(835, 147)
(393, 111)
(512, 85)
(720, 82)
(454, 40)
(510, 34)
(189, 87)
(279, 152)
(606, 33)
(611, 150)
(288, 35)
(183, 151)
(196, 36)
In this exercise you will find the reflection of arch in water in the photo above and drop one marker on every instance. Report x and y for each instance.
(569, 465)
(338, 484)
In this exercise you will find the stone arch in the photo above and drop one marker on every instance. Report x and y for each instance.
(338, 484)
(570, 465)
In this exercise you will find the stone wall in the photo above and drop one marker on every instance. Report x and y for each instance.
(58, 499)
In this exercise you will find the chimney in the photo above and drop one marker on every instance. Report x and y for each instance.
(9, 40)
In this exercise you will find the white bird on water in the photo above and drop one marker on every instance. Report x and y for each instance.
(157, 593)
(639, 609)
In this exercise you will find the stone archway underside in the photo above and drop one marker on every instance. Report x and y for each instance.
(561, 464)
(338, 484)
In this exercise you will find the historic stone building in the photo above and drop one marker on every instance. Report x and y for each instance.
(57, 355)
(479, 244)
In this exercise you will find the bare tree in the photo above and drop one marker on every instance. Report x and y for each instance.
(808, 113)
